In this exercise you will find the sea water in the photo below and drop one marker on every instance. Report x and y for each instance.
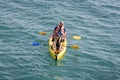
(96, 21)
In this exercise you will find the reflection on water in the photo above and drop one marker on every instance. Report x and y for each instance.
(59, 63)
(57, 78)
(56, 63)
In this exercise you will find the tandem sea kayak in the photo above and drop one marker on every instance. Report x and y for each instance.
(60, 55)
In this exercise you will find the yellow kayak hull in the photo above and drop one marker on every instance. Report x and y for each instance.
(60, 55)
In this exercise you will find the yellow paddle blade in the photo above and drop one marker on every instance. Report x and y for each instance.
(42, 33)
(74, 47)
(76, 37)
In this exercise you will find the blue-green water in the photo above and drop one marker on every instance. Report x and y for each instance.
(97, 21)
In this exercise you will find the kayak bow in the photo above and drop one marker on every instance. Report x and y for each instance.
(59, 55)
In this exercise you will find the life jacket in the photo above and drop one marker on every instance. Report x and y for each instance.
(62, 30)
(58, 42)
(59, 30)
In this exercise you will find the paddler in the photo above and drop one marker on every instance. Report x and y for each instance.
(60, 30)
(57, 44)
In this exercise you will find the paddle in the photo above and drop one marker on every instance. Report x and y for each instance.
(76, 37)
(74, 47)
(35, 43)
(38, 44)
(43, 33)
